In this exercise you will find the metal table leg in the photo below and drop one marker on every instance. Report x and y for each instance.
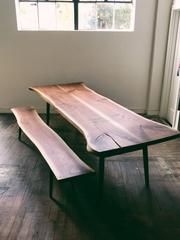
(51, 184)
(146, 165)
(19, 134)
(47, 113)
(101, 178)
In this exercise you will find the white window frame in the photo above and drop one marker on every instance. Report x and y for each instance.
(76, 14)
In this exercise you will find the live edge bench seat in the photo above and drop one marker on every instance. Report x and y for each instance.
(63, 162)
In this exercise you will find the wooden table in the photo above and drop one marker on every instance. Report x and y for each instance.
(109, 128)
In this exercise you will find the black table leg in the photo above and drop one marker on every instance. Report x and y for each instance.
(101, 178)
(47, 113)
(146, 165)
(19, 134)
(51, 184)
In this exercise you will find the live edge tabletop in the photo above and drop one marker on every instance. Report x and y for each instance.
(107, 126)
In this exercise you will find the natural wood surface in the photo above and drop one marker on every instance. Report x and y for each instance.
(106, 125)
(63, 162)
(129, 212)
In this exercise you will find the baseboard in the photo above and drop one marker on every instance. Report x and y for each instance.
(139, 111)
(153, 112)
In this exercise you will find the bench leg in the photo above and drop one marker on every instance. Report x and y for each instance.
(146, 165)
(47, 113)
(101, 178)
(51, 184)
(19, 134)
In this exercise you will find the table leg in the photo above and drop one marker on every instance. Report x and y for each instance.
(47, 113)
(19, 134)
(101, 178)
(146, 165)
(51, 184)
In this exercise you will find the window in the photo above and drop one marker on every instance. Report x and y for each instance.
(75, 14)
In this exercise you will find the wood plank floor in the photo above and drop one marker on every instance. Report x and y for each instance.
(129, 210)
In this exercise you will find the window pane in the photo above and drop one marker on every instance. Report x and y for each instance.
(87, 16)
(123, 14)
(128, 1)
(28, 16)
(56, 15)
(47, 16)
(65, 16)
(105, 15)
(91, 0)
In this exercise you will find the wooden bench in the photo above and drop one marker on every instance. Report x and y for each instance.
(63, 162)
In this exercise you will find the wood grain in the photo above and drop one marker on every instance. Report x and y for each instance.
(63, 162)
(106, 125)
(129, 211)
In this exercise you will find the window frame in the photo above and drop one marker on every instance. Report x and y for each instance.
(75, 7)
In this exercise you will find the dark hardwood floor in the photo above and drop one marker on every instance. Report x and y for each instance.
(129, 210)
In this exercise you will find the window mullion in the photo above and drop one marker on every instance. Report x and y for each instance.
(76, 14)
(38, 15)
(68, 15)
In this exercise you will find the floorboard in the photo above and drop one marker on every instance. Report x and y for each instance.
(129, 210)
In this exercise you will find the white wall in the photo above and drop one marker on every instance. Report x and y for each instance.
(159, 45)
(116, 64)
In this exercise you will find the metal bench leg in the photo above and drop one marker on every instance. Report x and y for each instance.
(101, 178)
(47, 113)
(146, 165)
(51, 184)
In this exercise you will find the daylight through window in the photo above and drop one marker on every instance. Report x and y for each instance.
(75, 14)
